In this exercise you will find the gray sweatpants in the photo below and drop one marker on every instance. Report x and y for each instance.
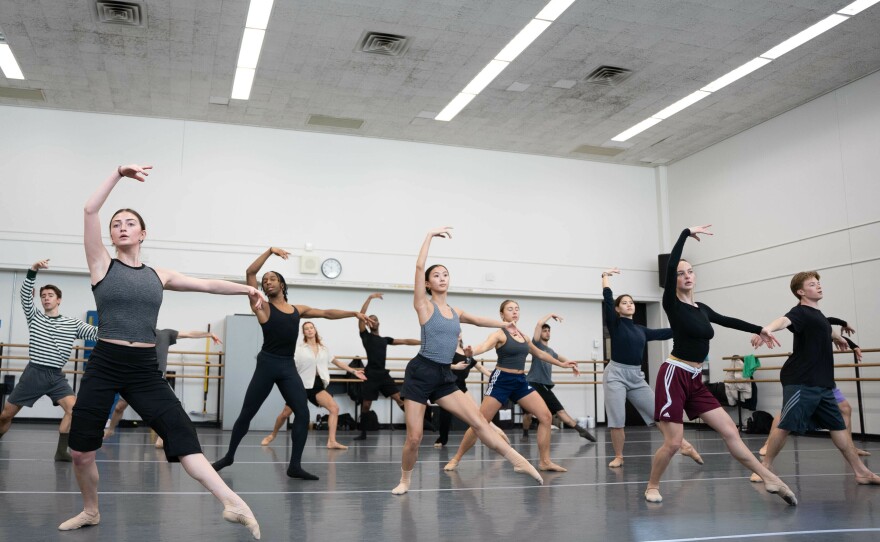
(622, 382)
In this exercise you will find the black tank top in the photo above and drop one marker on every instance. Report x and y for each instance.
(512, 354)
(280, 332)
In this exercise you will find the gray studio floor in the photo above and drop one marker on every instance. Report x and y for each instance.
(144, 498)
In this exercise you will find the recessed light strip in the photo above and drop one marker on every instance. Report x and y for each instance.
(8, 63)
(756, 63)
(251, 45)
(517, 45)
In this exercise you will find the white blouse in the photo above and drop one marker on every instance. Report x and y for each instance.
(307, 364)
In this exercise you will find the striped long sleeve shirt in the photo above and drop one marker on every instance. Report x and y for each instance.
(51, 338)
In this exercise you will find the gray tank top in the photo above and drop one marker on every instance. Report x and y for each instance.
(440, 337)
(512, 354)
(128, 300)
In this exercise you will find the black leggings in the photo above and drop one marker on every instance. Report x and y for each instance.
(445, 422)
(281, 371)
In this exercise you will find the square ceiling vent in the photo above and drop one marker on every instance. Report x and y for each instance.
(378, 43)
(124, 13)
(608, 75)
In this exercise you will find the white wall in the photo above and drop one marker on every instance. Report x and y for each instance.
(219, 194)
(798, 192)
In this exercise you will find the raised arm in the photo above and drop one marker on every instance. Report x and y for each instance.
(547, 358)
(669, 293)
(767, 332)
(420, 297)
(539, 326)
(406, 342)
(611, 315)
(492, 341)
(365, 307)
(254, 268)
(359, 373)
(482, 321)
(97, 257)
(329, 314)
(199, 335)
(27, 289)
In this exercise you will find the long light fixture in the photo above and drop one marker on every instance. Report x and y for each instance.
(756, 63)
(251, 45)
(8, 64)
(517, 45)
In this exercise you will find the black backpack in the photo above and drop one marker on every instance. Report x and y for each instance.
(759, 423)
(353, 389)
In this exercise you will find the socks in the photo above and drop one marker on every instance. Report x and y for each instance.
(403, 486)
(61, 453)
(584, 433)
(297, 472)
(222, 463)
(362, 436)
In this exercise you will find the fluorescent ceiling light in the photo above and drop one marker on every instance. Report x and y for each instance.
(8, 63)
(738, 73)
(258, 14)
(637, 129)
(455, 106)
(251, 43)
(858, 6)
(804, 36)
(687, 101)
(522, 40)
(490, 72)
(241, 85)
(555, 8)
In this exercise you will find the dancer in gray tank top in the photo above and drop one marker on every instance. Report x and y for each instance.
(508, 382)
(124, 359)
(430, 378)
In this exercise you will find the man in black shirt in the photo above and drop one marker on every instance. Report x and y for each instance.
(808, 378)
(378, 377)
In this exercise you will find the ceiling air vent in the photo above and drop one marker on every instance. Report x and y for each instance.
(377, 43)
(334, 122)
(608, 75)
(124, 13)
(34, 94)
(598, 151)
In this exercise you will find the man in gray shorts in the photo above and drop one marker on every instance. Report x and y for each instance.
(51, 338)
(540, 377)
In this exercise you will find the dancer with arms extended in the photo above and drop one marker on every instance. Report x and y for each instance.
(428, 375)
(508, 382)
(807, 378)
(680, 385)
(623, 378)
(279, 321)
(128, 295)
(313, 365)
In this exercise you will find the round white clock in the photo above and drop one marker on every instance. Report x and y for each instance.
(331, 268)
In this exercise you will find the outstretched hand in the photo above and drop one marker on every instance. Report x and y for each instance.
(280, 252)
(444, 232)
(573, 366)
(556, 317)
(134, 171)
(845, 330)
(255, 297)
(696, 231)
(216, 339)
(612, 271)
(767, 339)
(840, 343)
(42, 264)
(468, 351)
(363, 318)
(360, 374)
(377, 295)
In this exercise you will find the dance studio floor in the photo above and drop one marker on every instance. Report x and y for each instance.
(144, 498)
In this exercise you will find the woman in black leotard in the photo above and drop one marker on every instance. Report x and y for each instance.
(680, 385)
(280, 323)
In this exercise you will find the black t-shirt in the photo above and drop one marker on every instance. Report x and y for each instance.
(812, 358)
(376, 347)
(692, 325)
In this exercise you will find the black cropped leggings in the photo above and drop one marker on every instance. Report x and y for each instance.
(279, 371)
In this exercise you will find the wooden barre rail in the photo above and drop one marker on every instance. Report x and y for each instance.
(787, 354)
(759, 380)
(170, 363)
(775, 368)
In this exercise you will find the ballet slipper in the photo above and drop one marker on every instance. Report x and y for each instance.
(693, 454)
(782, 490)
(755, 478)
(521, 465)
(403, 486)
(159, 443)
(652, 494)
(336, 446)
(500, 432)
(871, 480)
(551, 466)
(244, 516)
(266, 441)
(83, 519)
(617, 462)
(863, 453)
(763, 450)
(453, 463)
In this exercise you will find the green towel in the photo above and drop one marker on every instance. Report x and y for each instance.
(750, 363)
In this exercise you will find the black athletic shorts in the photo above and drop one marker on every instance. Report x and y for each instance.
(378, 382)
(317, 388)
(134, 374)
(426, 380)
(548, 396)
